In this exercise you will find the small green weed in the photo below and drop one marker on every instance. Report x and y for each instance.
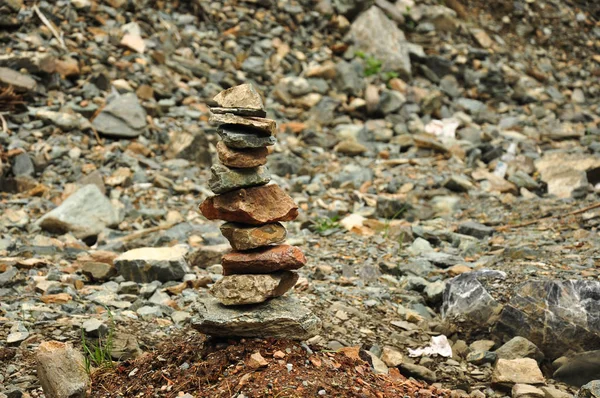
(386, 228)
(387, 76)
(98, 354)
(326, 225)
(373, 65)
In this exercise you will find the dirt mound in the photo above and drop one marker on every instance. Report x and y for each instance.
(204, 367)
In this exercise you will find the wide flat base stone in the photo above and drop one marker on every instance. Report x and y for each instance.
(282, 317)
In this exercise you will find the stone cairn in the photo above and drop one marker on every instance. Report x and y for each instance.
(260, 268)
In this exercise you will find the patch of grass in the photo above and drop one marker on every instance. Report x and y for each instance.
(373, 65)
(98, 354)
(386, 228)
(326, 225)
(387, 76)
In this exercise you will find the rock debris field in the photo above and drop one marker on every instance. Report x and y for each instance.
(299, 198)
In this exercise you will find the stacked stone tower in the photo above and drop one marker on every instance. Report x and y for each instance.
(259, 268)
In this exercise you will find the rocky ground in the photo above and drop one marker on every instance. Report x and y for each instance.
(444, 155)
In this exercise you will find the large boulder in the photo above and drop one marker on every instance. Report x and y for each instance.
(555, 315)
(378, 36)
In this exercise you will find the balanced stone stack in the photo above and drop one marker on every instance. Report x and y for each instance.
(259, 268)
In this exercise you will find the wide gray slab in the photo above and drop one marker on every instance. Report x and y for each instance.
(282, 317)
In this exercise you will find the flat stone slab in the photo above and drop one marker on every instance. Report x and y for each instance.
(242, 96)
(254, 124)
(240, 111)
(282, 317)
(238, 138)
(224, 179)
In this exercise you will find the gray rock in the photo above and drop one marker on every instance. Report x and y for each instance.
(350, 77)
(375, 34)
(391, 101)
(238, 139)
(16, 79)
(149, 264)
(123, 117)
(459, 183)
(23, 166)
(85, 213)
(580, 369)
(481, 357)
(391, 208)
(555, 315)
(519, 347)
(283, 317)
(466, 299)
(475, 229)
(590, 390)
(225, 179)
(523, 180)
(418, 372)
(61, 370)
(351, 8)
(94, 328)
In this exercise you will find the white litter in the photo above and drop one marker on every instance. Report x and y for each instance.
(439, 346)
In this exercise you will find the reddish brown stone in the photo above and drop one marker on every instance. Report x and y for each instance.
(263, 261)
(256, 206)
(239, 158)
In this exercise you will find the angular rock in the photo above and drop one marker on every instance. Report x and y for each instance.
(555, 315)
(263, 261)
(239, 111)
(242, 96)
(391, 357)
(567, 174)
(249, 124)
(552, 392)
(241, 158)
(225, 179)
(252, 289)
(85, 213)
(18, 80)
(256, 206)
(237, 138)
(123, 117)
(98, 271)
(23, 166)
(508, 372)
(33, 62)
(520, 347)
(590, 390)
(375, 34)
(191, 145)
(149, 264)
(418, 372)
(61, 370)
(283, 317)
(580, 369)
(243, 237)
(466, 299)
(527, 391)
(475, 229)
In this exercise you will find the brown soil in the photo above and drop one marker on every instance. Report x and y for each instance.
(207, 368)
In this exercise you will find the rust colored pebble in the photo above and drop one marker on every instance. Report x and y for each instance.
(256, 206)
(263, 261)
